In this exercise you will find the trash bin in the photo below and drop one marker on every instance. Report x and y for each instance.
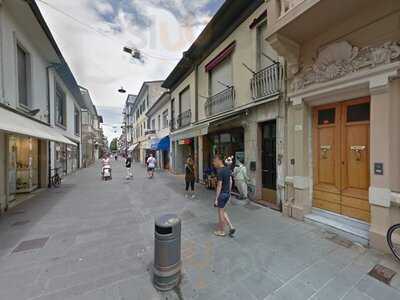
(167, 252)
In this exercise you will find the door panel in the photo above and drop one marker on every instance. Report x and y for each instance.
(268, 155)
(326, 157)
(341, 158)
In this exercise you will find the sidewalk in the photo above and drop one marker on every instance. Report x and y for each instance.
(94, 240)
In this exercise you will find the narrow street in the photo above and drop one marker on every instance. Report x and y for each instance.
(96, 242)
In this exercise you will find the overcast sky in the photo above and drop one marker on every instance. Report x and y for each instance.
(91, 40)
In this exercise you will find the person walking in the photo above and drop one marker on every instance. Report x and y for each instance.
(189, 177)
(151, 164)
(128, 166)
(223, 194)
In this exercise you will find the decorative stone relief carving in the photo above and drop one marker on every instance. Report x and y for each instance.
(339, 59)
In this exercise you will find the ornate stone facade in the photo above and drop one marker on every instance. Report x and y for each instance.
(339, 59)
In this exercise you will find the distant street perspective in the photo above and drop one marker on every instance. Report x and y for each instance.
(199, 149)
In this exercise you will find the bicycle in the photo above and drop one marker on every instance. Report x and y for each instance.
(393, 240)
(55, 179)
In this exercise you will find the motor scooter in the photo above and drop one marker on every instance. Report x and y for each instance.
(106, 172)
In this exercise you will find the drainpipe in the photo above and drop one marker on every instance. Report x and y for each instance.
(48, 121)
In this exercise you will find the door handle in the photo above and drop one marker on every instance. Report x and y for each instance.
(324, 150)
(357, 149)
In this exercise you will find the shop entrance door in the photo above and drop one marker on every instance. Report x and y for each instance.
(268, 153)
(341, 158)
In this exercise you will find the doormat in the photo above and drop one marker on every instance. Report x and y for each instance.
(31, 245)
(382, 274)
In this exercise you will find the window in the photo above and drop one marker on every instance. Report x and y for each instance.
(221, 77)
(23, 76)
(262, 47)
(159, 123)
(184, 100)
(153, 124)
(358, 112)
(76, 121)
(165, 119)
(60, 106)
(326, 116)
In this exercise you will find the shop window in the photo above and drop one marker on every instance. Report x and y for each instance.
(60, 106)
(326, 116)
(159, 122)
(23, 65)
(153, 124)
(358, 112)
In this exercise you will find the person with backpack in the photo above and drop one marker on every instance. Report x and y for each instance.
(189, 177)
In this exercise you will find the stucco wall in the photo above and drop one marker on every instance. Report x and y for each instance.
(189, 81)
(13, 32)
(245, 53)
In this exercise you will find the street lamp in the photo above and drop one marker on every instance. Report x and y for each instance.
(122, 90)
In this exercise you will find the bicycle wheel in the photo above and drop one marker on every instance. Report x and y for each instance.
(393, 239)
(56, 180)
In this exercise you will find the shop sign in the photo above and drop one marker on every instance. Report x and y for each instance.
(185, 142)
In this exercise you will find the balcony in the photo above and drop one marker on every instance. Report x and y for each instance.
(267, 82)
(184, 119)
(303, 20)
(220, 102)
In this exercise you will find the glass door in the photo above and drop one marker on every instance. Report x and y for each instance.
(12, 168)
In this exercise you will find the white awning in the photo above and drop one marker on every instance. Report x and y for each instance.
(132, 147)
(15, 123)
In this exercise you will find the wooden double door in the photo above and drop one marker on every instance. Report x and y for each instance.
(341, 150)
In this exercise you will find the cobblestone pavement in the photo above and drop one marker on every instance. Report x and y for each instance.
(96, 242)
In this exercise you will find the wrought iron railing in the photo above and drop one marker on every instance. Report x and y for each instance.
(184, 119)
(267, 82)
(221, 102)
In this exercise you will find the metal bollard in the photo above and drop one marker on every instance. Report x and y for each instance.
(167, 252)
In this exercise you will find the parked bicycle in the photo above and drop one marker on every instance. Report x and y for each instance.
(56, 178)
(393, 239)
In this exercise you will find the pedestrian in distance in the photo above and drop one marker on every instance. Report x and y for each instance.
(151, 165)
(189, 177)
(223, 194)
(128, 166)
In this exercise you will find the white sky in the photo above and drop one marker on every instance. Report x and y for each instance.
(161, 29)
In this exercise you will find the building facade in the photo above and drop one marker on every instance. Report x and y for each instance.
(141, 143)
(91, 131)
(226, 99)
(38, 100)
(342, 113)
(158, 116)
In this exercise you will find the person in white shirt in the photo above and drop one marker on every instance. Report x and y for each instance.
(151, 164)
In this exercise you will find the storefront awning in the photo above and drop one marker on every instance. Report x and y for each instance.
(132, 147)
(14, 123)
(160, 144)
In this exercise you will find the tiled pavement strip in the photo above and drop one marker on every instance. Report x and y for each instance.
(100, 246)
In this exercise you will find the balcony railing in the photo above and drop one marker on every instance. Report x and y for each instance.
(220, 102)
(288, 5)
(267, 82)
(184, 119)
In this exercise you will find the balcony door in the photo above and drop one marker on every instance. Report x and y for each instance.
(341, 158)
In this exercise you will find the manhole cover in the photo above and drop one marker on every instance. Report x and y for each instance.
(31, 245)
(382, 273)
(20, 223)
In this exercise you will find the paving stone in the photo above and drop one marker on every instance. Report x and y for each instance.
(102, 239)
